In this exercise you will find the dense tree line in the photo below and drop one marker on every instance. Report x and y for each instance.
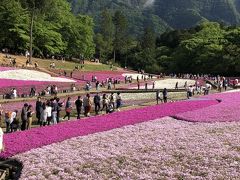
(55, 30)
(207, 48)
(210, 47)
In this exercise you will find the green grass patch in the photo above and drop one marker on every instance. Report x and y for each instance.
(69, 66)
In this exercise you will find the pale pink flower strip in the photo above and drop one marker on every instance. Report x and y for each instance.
(161, 149)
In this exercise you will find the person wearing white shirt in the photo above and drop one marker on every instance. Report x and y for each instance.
(14, 93)
(49, 113)
(207, 89)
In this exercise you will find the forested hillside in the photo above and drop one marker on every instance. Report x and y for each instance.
(163, 14)
(157, 36)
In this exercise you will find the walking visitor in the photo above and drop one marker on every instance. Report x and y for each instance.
(78, 104)
(24, 117)
(118, 101)
(87, 105)
(29, 117)
(165, 95)
(97, 101)
(68, 108)
(38, 109)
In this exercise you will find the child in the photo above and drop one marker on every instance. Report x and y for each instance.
(110, 108)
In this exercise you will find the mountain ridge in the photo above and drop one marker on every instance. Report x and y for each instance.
(162, 14)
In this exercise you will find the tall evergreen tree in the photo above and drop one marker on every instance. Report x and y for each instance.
(148, 39)
(105, 37)
(148, 52)
(120, 38)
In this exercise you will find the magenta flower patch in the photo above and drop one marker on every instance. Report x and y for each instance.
(226, 111)
(6, 68)
(19, 142)
(23, 87)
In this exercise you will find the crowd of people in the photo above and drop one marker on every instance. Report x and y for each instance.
(109, 83)
(220, 82)
(51, 90)
(191, 76)
(48, 112)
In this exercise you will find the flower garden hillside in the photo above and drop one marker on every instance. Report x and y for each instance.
(93, 128)
(24, 79)
(191, 146)
(112, 90)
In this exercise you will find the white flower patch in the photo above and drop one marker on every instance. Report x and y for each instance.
(31, 75)
(169, 83)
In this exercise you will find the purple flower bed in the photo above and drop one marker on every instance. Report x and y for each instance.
(24, 141)
(226, 111)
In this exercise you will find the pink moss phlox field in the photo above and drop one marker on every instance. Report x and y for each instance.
(24, 141)
(17, 83)
(6, 68)
(227, 110)
(160, 149)
(23, 87)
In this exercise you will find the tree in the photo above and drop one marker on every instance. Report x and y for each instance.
(33, 7)
(14, 28)
(149, 39)
(81, 37)
(148, 45)
(120, 36)
(106, 35)
(45, 26)
(100, 44)
(203, 50)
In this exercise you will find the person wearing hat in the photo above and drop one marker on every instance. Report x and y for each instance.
(24, 117)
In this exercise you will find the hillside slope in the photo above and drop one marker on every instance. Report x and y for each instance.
(162, 14)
